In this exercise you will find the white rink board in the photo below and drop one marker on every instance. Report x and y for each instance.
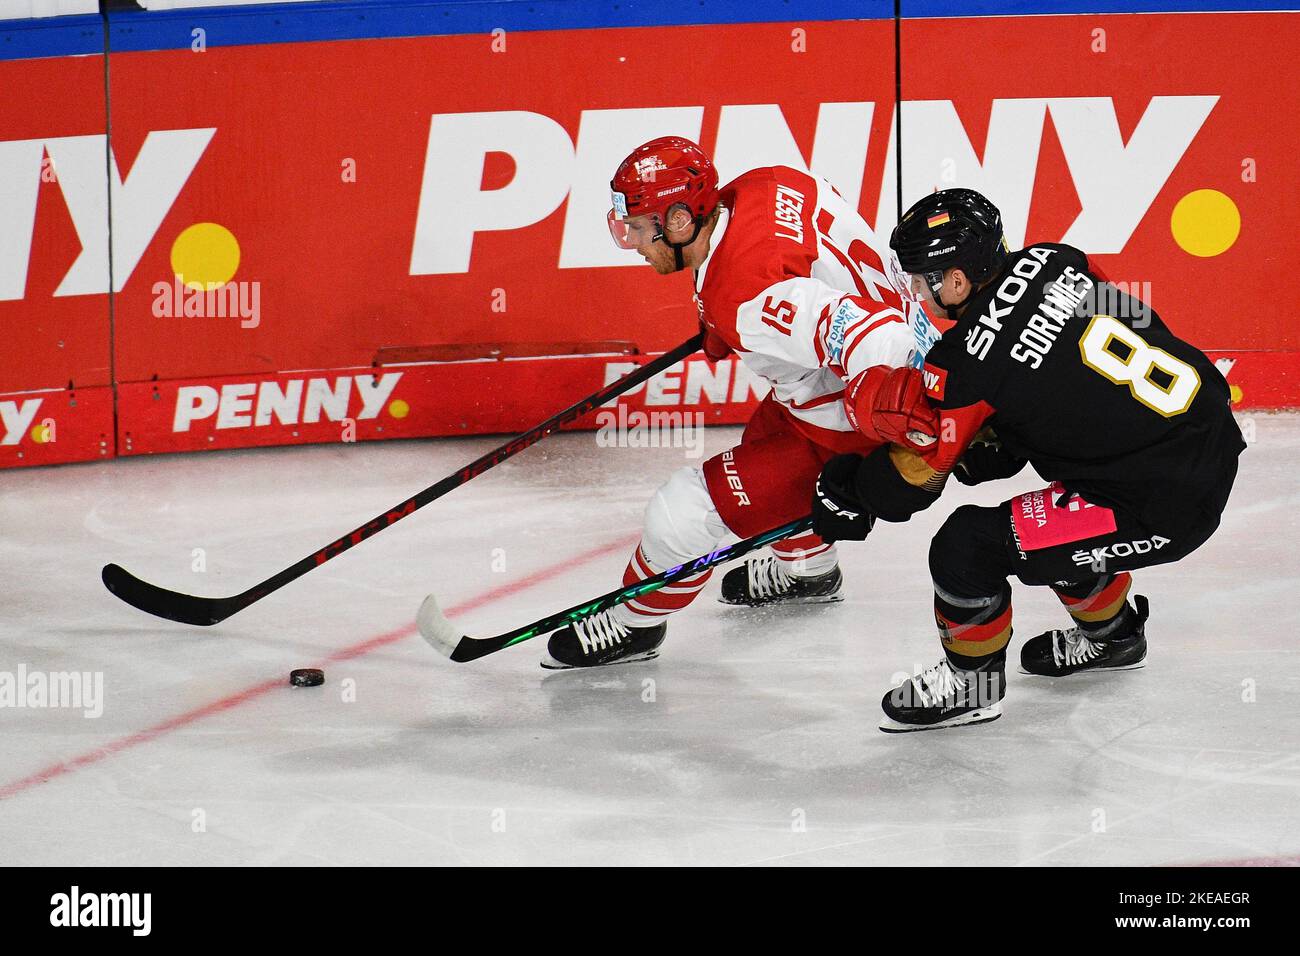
(760, 742)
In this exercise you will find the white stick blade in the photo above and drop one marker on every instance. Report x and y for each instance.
(435, 628)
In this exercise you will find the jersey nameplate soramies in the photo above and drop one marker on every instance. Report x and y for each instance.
(1060, 301)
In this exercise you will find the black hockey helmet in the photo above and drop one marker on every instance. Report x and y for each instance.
(950, 229)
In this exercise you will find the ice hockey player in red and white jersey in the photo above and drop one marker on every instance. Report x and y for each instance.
(791, 279)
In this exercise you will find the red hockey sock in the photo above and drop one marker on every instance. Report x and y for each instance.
(807, 555)
(650, 608)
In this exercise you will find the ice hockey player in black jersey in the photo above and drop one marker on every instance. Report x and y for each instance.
(1049, 364)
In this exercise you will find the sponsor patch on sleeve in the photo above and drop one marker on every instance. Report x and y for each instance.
(925, 332)
(934, 380)
(844, 316)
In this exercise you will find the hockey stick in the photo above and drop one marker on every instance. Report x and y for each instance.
(443, 636)
(204, 611)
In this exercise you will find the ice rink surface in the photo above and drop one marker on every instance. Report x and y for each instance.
(752, 740)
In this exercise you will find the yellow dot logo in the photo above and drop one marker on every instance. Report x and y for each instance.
(205, 256)
(1235, 393)
(398, 408)
(40, 434)
(1205, 223)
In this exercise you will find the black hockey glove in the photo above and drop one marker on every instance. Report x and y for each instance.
(837, 513)
(986, 460)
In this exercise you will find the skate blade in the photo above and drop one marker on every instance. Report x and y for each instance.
(981, 716)
(551, 664)
(1088, 670)
(793, 602)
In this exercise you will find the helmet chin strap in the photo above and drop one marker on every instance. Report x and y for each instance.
(951, 310)
(677, 247)
(936, 293)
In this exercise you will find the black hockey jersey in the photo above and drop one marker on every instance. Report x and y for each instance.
(1088, 384)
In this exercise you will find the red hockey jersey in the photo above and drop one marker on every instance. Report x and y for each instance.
(798, 285)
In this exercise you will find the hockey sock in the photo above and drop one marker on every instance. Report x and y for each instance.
(1098, 604)
(806, 556)
(650, 609)
(974, 630)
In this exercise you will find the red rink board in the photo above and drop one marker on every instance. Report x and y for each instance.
(423, 400)
(361, 404)
(325, 205)
(56, 426)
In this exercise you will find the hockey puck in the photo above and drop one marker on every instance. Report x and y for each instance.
(307, 677)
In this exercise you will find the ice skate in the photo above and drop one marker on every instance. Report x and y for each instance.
(602, 639)
(1064, 652)
(943, 696)
(765, 580)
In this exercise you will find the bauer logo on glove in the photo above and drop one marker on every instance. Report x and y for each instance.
(837, 512)
(834, 508)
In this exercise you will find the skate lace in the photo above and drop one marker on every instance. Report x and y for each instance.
(767, 577)
(937, 683)
(1073, 647)
(599, 632)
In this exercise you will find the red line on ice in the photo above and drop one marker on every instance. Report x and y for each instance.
(258, 690)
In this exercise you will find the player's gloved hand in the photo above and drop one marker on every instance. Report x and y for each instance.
(986, 460)
(889, 405)
(837, 513)
(715, 346)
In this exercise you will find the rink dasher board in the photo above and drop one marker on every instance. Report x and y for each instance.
(439, 399)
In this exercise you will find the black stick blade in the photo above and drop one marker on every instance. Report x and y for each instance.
(171, 605)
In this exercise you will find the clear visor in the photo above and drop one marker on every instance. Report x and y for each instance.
(633, 231)
(919, 282)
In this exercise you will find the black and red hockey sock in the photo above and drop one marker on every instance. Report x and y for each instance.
(974, 630)
(1098, 605)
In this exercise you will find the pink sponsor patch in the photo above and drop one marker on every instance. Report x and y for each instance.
(1047, 518)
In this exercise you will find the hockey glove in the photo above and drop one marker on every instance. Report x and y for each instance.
(986, 460)
(888, 405)
(837, 513)
(715, 346)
